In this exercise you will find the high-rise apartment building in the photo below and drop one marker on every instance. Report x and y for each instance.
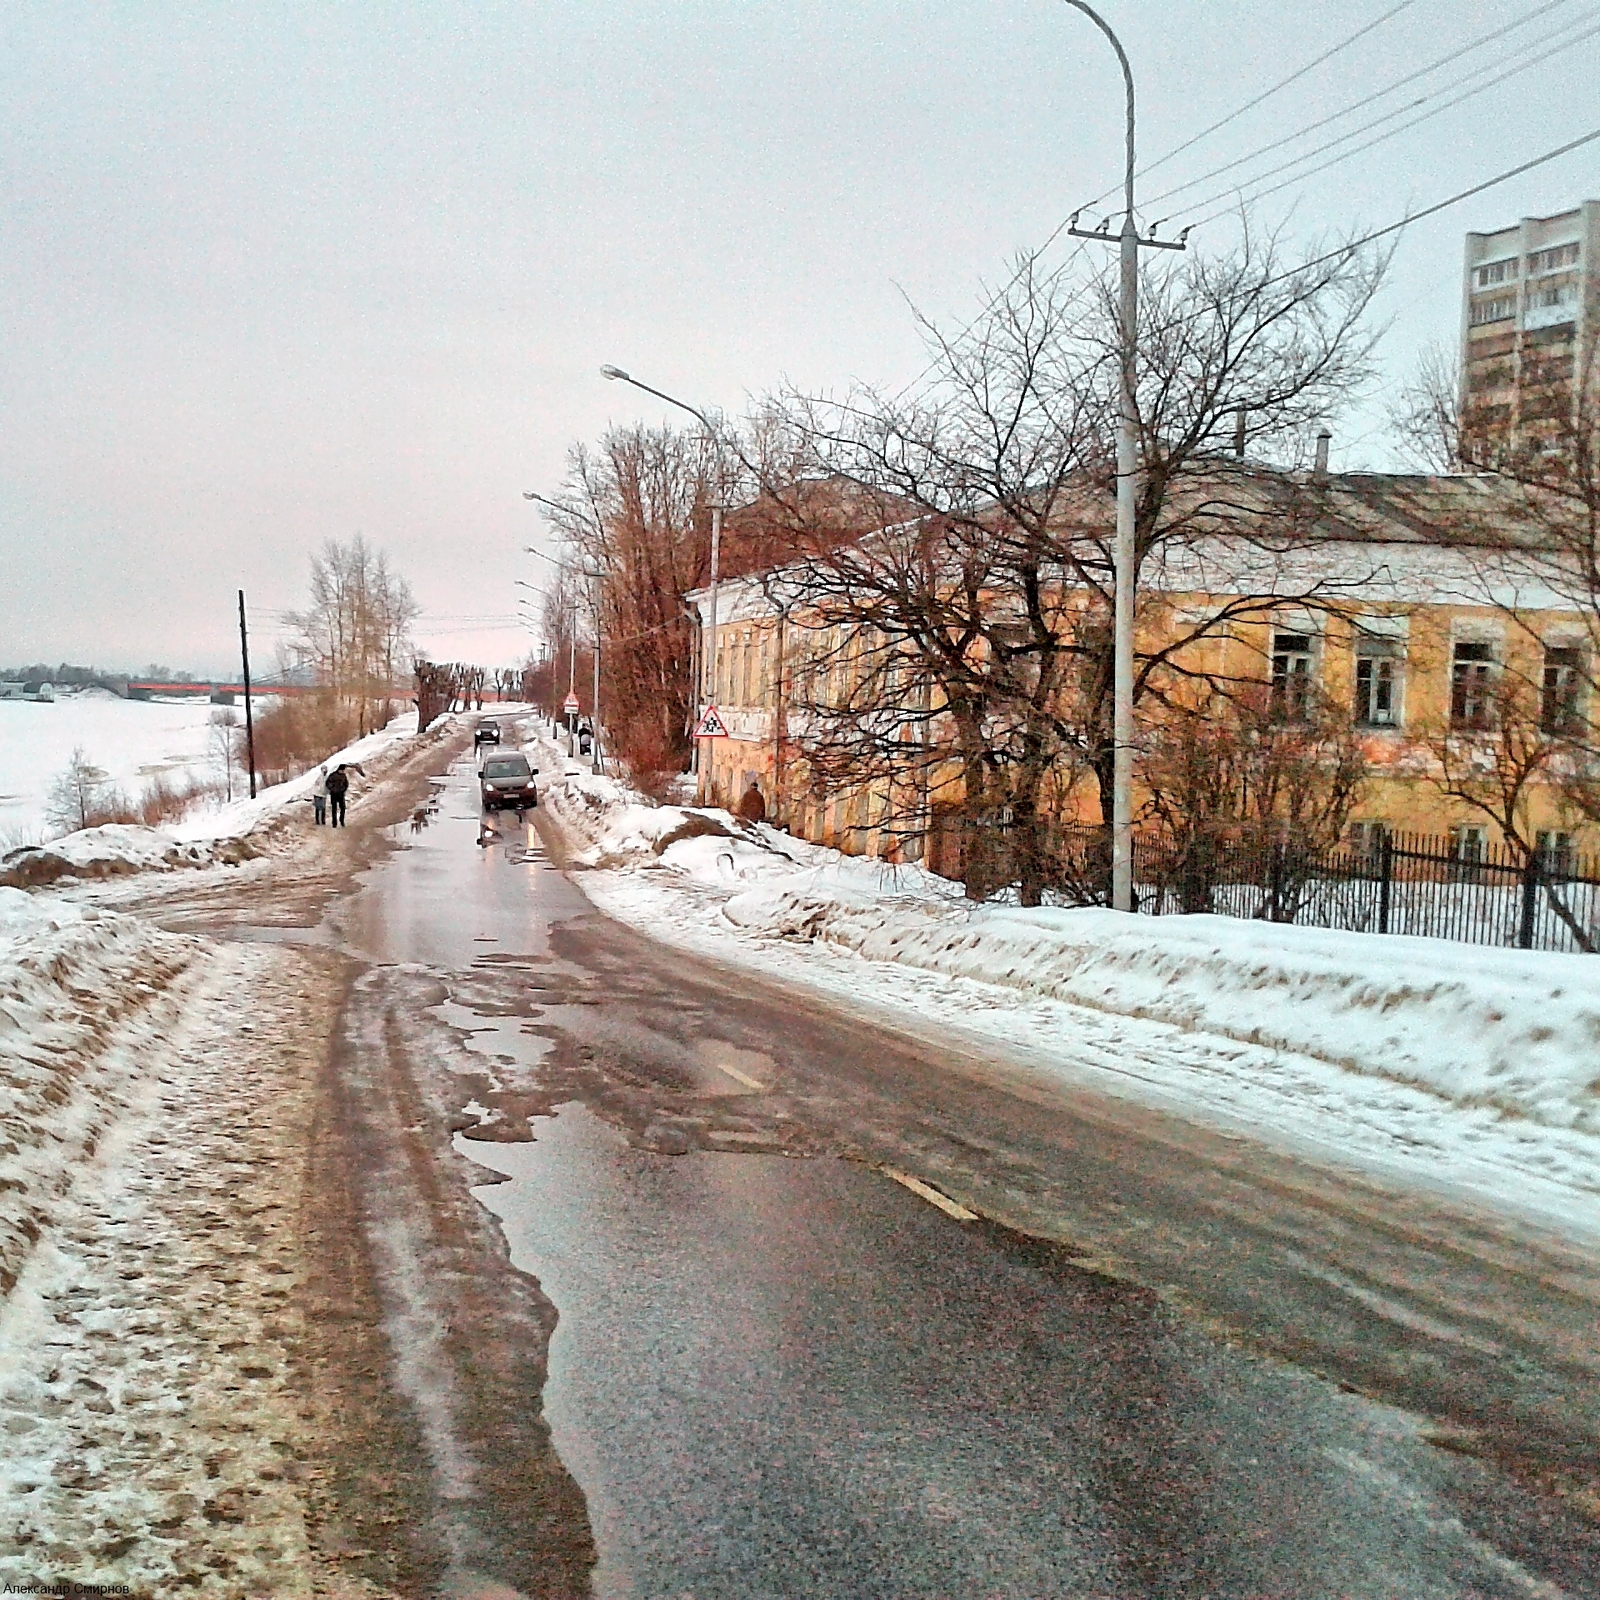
(1530, 318)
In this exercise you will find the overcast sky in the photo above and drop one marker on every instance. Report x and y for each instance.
(272, 273)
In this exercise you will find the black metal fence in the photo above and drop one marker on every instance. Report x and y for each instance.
(1403, 883)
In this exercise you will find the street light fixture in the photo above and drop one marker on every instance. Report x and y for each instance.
(708, 658)
(1127, 485)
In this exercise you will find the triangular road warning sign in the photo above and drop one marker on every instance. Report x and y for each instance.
(711, 725)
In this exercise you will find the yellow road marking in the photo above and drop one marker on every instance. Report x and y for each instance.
(931, 1195)
(738, 1076)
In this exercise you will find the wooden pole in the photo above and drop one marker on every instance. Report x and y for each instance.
(249, 716)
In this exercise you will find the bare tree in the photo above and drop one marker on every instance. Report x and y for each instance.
(81, 796)
(1234, 781)
(1540, 458)
(222, 739)
(634, 518)
(355, 633)
(982, 604)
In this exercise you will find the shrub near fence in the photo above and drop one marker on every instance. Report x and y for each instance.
(1406, 883)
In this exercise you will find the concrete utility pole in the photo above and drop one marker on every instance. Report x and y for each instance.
(1127, 495)
(249, 718)
(594, 700)
(709, 687)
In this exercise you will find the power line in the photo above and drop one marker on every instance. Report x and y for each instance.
(1375, 96)
(1250, 105)
(1392, 133)
(1265, 95)
(1428, 211)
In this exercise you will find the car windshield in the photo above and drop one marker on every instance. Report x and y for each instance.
(507, 767)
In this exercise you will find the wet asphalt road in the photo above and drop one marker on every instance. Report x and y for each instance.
(784, 1374)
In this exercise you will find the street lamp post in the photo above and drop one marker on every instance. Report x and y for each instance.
(708, 657)
(1124, 554)
(595, 577)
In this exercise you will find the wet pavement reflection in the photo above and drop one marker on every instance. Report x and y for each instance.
(783, 1377)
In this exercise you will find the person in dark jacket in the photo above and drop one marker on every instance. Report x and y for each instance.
(338, 789)
(752, 806)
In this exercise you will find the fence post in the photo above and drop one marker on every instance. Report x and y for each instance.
(1530, 903)
(1275, 882)
(1385, 888)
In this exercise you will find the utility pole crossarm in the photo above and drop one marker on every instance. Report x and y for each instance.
(1180, 243)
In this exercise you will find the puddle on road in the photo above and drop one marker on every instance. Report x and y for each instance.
(502, 1041)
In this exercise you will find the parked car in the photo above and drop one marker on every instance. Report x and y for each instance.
(507, 780)
(487, 732)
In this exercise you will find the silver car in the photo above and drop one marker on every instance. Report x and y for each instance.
(507, 780)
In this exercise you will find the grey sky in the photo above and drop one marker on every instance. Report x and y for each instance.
(271, 273)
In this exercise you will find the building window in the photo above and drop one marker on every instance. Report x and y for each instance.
(1554, 851)
(1378, 668)
(1563, 675)
(1553, 259)
(1496, 272)
(1471, 685)
(1497, 309)
(1291, 676)
(1469, 844)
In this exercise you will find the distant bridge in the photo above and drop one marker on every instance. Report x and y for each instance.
(145, 689)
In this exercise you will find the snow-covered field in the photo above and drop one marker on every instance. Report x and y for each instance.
(132, 741)
(1457, 1070)
(218, 833)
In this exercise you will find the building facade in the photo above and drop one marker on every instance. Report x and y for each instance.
(1435, 613)
(1530, 318)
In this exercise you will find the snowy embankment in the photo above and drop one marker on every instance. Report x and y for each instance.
(225, 835)
(72, 984)
(130, 741)
(1465, 1068)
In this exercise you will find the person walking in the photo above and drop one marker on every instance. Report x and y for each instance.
(319, 797)
(338, 788)
(752, 805)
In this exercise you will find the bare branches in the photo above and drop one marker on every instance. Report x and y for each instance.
(969, 611)
(355, 634)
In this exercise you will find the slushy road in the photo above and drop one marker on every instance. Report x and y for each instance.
(776, 1371)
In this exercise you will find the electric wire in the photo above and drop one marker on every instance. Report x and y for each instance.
(1300, 72)
(1267, 94)
(1441, 205)
(1381, 94)
(1238, 196)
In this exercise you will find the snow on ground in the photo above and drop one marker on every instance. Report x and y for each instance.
(221, 834)
(243, 816)
(155, 1424)
(130, 740)
(1457, 1069)
(70, 979)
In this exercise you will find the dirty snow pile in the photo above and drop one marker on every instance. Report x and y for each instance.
(71, 983)
(1463, 1068)
(113, 850)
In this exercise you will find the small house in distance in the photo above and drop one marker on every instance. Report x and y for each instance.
(42, 692)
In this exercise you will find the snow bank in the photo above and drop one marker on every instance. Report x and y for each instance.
(375, 751)
(1507, 1031)
(207, 838)
(71, 983)
(1515, 1031)
(614, 827)
(113, 850)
